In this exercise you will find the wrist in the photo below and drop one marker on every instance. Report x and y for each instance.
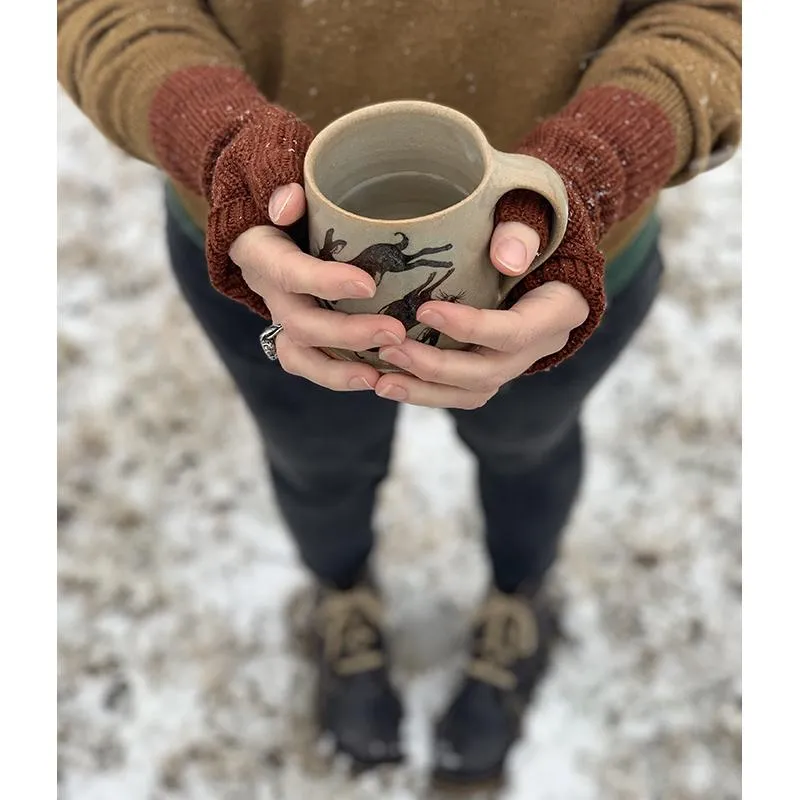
(613, 148)
(194, 114)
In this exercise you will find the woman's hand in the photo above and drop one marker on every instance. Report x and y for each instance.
(507, 342)
(286, 278)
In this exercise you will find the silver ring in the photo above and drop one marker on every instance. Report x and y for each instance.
(267, 340)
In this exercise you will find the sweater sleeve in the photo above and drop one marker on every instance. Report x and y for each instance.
(114, 54)
(686, 56)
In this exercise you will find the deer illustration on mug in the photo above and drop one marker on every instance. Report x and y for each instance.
(405, 309)
(378, 259)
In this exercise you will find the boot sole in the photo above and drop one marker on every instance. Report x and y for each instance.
(486, 786)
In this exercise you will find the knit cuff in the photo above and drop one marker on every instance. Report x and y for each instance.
(613, 149)
(266, 155)
(225, 224)
(639, 133)
(215, 133)
(193, 115)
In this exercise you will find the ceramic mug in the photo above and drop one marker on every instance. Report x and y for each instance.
(406, 191)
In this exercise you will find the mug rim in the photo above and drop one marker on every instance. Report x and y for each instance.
(395, 107)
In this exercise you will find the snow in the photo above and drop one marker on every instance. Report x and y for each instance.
(177, 679)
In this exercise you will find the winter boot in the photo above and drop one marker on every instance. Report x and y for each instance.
(356, 704)
(511, 642)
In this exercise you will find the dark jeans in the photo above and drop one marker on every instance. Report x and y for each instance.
(328, 451)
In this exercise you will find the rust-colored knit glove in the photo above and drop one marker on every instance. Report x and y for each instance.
(215, 133)
(614, 149)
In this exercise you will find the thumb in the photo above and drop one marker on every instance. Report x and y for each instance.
(513, 247)
(287, 204)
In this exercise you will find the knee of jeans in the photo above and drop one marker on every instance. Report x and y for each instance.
(511, 452)
(330, 472)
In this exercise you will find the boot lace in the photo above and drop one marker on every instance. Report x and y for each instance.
(506, 632)
(349, 623)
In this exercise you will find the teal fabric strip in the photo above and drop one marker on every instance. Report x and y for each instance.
(176, 210)
(622, 269)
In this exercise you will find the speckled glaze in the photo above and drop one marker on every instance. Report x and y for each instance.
(422, 252)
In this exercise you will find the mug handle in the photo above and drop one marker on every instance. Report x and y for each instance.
(516, 171)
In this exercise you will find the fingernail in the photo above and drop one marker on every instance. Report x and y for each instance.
(279, 200)
(356, 289)
(395, 356)
(359, 384)
(432, 318)
(512, 254)
(386, 337)
(392, 392)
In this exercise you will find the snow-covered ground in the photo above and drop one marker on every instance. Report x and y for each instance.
(175, 679)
